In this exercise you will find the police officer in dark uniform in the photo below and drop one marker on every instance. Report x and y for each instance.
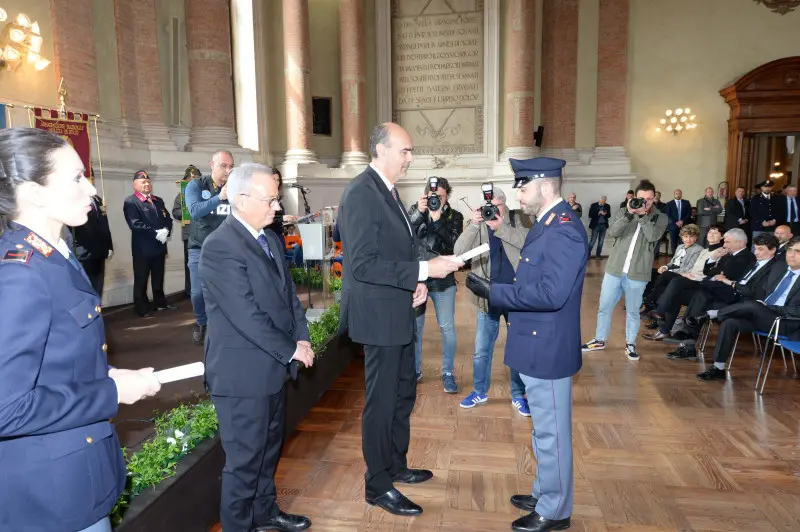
(207, 203)
(92, 242)
(150, 225)
(61, 464)
(764, 210)
(544, 335)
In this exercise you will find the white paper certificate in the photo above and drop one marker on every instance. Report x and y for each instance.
(180, 373)
(480, 250)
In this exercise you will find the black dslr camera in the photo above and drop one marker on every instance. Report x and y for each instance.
(489, 211)
(636, 203)
(434, 201)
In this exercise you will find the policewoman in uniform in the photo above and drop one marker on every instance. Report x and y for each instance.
(544, 334)
(61, 465)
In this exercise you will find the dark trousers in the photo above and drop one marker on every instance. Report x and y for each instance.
(743, 317)
(678, 293)
(674, 237)
(187, 277)
(251, 432)
(385, 423)
(655, 288)
(152, 268)
(96, 271)
(598, 235)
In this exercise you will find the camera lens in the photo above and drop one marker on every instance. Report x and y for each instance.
(489, 212)
(434, 202)
(636, 203)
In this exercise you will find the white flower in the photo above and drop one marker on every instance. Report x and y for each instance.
(172, 441)
(185, 446)
(178, 434)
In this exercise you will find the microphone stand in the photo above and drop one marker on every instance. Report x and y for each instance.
(305, 201)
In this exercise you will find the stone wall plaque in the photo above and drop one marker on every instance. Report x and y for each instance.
(437, 74)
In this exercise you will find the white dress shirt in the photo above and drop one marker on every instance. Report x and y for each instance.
(423, 265)
(250, 230)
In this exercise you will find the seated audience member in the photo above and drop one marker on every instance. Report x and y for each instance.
(735, 261)
(720, 291)
(784, 235)
(682, 261)
(780, 297)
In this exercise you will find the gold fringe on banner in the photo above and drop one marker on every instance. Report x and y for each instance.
(99, 158)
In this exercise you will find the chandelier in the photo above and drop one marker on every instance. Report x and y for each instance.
(677, 121)
(780, 7)
(21, 40)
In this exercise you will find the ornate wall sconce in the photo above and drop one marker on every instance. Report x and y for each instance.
(677, 121)
(21, 40)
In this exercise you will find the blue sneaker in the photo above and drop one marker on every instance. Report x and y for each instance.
(521, 404)
(449, 383)
(473, 400)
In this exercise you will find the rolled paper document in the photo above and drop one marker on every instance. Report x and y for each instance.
(480, 250)
(180, 373)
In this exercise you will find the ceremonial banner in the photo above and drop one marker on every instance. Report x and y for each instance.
(74, 129)
(2, 116)
(185, 217)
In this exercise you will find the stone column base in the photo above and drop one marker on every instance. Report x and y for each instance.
(211, 138)
(300, 156)
(568, 154)
(609, 154)
(518, 152)
(158, 137)
(132, 136)
(354, 158)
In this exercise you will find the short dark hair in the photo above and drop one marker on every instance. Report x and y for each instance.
(646, 186)
(766, 239)
(379, 135)
(24, 158)
(795, 240)
(441, 182)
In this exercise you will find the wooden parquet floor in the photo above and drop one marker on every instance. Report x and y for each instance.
(655, 449)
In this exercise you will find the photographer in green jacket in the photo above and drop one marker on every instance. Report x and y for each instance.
(636, 233)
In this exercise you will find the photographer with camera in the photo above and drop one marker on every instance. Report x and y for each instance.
(505, 231)
(438, 226)
(636, 233)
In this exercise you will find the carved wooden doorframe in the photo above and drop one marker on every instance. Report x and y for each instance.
(766, 100)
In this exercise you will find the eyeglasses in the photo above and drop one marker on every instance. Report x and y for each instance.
(271, 202)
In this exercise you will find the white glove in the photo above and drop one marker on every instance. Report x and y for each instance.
(110, 254)
(161, 235)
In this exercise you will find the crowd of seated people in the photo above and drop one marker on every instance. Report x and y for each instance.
(727, 283)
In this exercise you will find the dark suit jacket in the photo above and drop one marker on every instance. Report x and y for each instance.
(734, 212)
(594, 214)
(92, 240)
(763, 210)
(61, 462)
(672, 212)
(254, 317)
(791, 307)
(782, 208)
(381, 270)
(145, 219)
(734, 266)
(754, 288)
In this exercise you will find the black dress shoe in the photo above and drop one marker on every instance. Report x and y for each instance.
(413, 476)
(285, 523)
(395, 503)
(525, 502)
(536, 523)
(167, 308)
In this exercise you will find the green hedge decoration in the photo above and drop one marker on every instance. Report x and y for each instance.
(183, 428)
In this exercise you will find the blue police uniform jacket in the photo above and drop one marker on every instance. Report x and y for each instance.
(544, 330)
(61, 464)
(144, 219)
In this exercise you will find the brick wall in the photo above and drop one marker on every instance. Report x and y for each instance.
(559, 72)
(75, 59)
(612, 68)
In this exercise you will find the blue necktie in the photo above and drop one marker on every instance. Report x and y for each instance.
(262, 240)
(782, 287)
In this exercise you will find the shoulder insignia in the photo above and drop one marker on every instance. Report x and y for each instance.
(16, 255)
(564, 219)
(550, 218)
(39, 245)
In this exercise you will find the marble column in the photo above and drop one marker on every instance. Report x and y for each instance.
(519, 79)
(559, 77)
(297, 76)
(612, 65)
(351, 42)
(130, 123)
(210, 81)
(74, 56)
(148, 79)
